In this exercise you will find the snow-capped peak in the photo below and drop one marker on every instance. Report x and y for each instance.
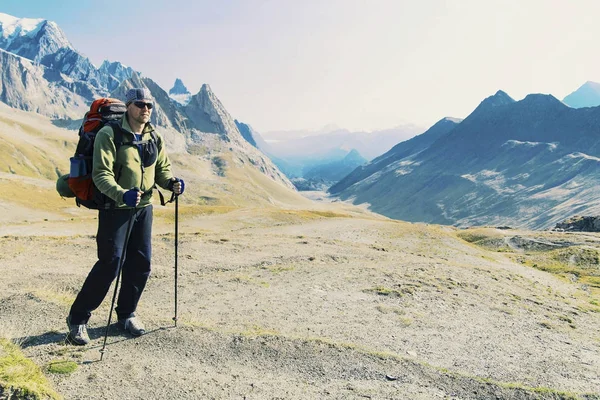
(31, 38)
(13, 26)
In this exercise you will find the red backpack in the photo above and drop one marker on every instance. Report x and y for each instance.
(103, 111)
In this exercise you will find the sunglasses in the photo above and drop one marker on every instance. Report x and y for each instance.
(141, 104)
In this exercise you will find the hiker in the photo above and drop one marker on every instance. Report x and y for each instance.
(140, 162)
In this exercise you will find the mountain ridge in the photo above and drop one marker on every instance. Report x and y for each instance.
(517, 163)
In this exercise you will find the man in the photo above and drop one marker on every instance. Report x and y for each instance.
(139, 162)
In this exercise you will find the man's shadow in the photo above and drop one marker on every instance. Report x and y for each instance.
(96, 335)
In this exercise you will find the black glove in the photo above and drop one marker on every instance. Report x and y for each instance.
(173, 187)
(132, 197)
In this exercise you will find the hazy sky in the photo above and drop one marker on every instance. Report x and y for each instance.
(302, 64)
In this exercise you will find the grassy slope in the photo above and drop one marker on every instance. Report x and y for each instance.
(552, 252)
(32, 146)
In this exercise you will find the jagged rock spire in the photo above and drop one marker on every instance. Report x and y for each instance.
(179, 88)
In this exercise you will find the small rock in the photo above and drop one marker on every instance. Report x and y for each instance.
(391, 378)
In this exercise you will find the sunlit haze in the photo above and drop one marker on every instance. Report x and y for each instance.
(361, 65)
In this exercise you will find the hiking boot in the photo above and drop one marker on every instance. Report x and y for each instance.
(133, 325)
(78, 334)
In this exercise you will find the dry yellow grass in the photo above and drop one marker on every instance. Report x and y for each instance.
(33, 196)
(31, 151)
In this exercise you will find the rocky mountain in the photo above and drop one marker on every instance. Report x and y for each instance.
(529, 163)
(44, 43)
(587, 95)
(255, 138)
(31, 38)
(179, 88)
(46, 75)
(179, 92)
(247, 132)
(579, 223)
(114, 73)
(32, 87)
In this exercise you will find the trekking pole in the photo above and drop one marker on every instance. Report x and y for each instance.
(121, 261)
(176, 243)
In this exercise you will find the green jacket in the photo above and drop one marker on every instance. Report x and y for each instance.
(115, 174)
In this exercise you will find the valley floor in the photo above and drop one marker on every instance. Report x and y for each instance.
(305, 305)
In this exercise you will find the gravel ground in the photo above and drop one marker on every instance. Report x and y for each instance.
(290, 307)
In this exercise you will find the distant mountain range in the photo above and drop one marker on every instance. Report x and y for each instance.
(322, 176)
(306, 156)
(305, 144)
(41, 72)
(529, 163)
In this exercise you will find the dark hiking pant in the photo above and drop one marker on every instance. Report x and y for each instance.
(112, 233)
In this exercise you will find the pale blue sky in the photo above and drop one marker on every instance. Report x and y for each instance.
(361, 64)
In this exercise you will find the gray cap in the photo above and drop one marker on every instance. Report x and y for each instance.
(138, 94)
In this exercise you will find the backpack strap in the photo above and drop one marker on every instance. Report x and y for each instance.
(117, 134)
(153, 138)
